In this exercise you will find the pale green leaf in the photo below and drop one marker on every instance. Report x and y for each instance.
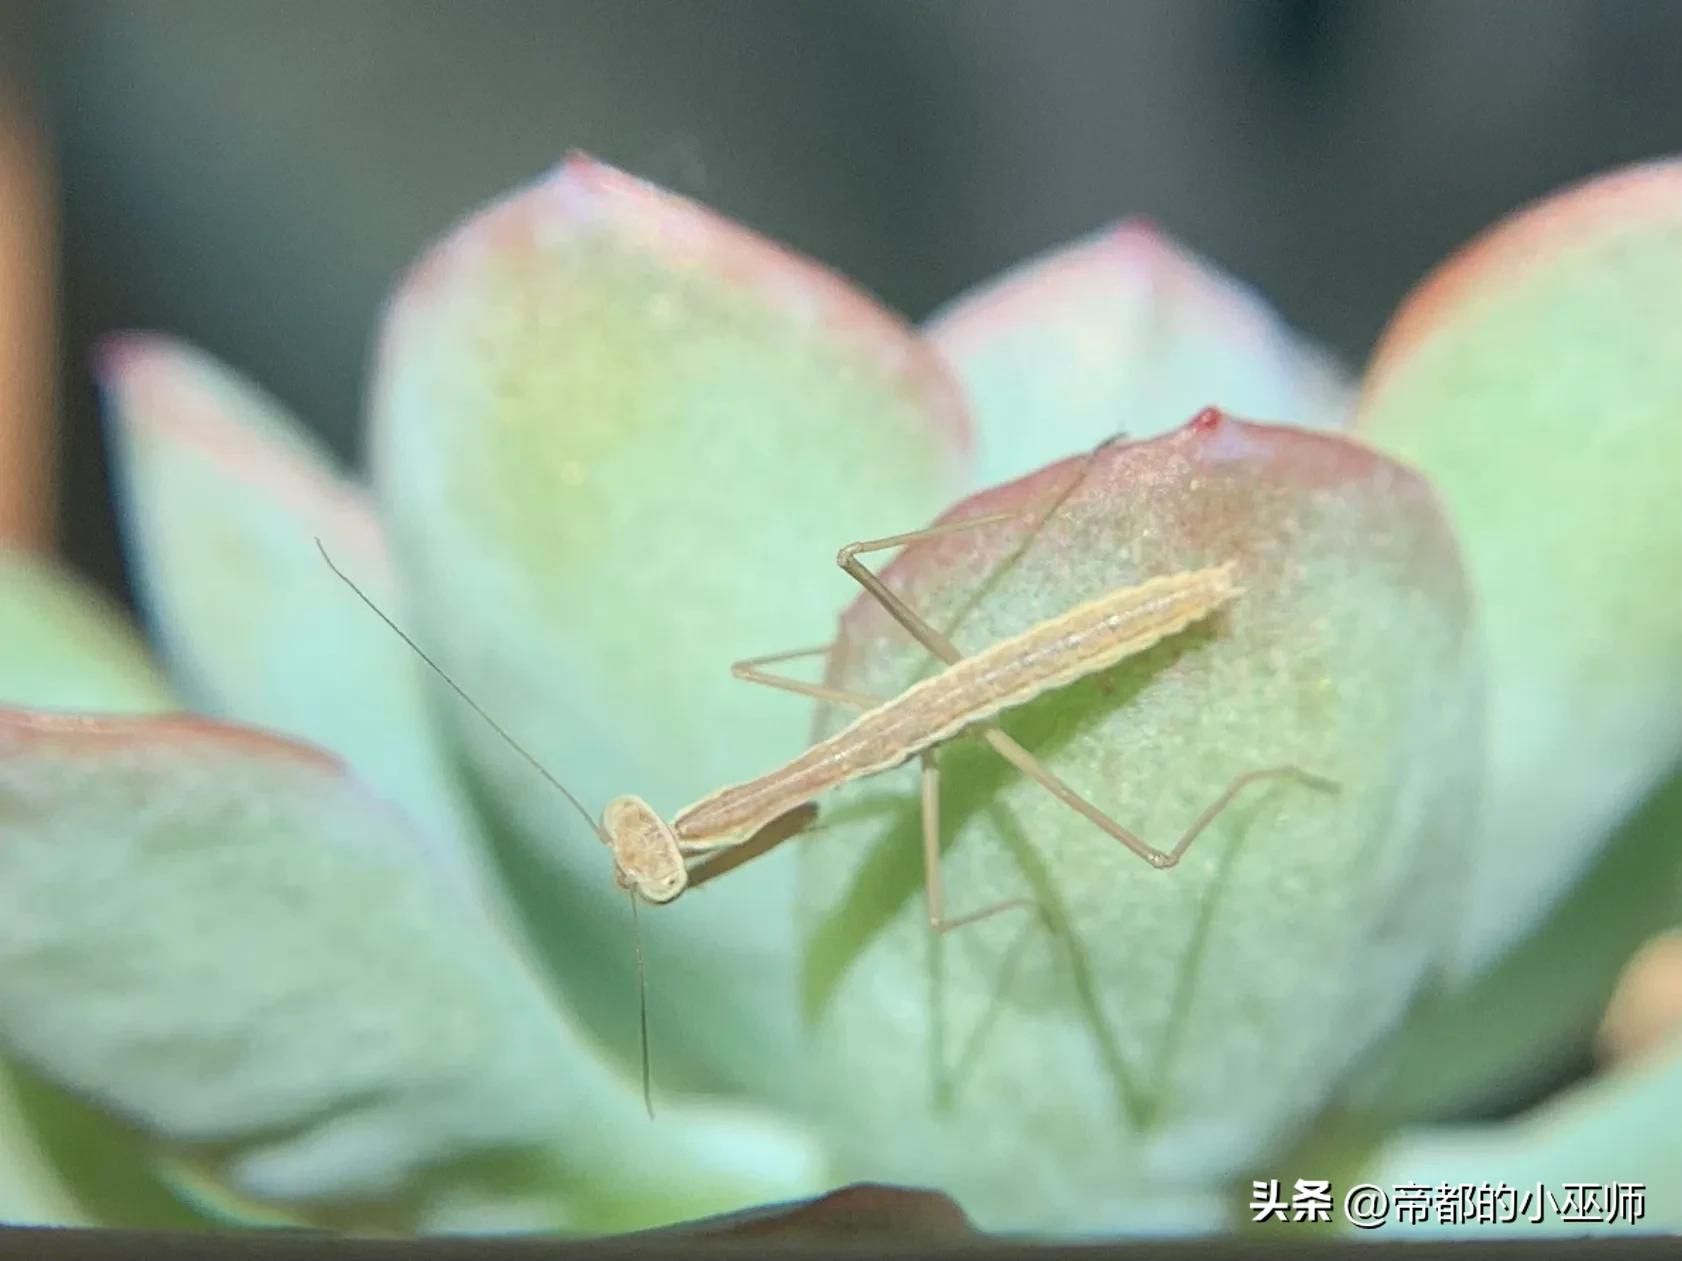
(64, 645)
(1620, 1128)
(224, 495)
(222, 939)
(32, 1191)
(1493, 1040)
(1122, 330)
(1536, 380)
(1178, 1024)
(618, 440)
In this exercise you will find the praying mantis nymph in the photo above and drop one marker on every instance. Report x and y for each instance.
(658, 860)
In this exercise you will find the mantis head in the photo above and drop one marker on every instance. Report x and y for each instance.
(646, 858)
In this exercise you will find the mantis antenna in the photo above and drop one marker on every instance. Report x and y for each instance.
(494, 725)
(642, 1005)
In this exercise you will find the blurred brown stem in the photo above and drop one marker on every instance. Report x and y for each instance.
(26, 307)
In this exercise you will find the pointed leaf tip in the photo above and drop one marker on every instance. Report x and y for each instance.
(1528, 239)
(168, 400)
(585, 203)
(637, 431)
(224, 495)
(1123, 331)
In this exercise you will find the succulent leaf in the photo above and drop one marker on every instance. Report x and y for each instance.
(1163, 1027)
(225, 941)
(64, 645)
(224, 495)
(1614, 1129)
(618, 440)
(32, 1191)
(1124, 329)
(1536, 379)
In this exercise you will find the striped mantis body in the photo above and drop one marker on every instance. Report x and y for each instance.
(658, 860)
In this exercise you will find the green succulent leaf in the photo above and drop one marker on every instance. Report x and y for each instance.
(224, 496)
(1158, 1029)
(32, 1191)
(1491, 1042)
(1536, 379)
(618, 440)
(1617, 1128)
(1122, 329)
(226, 942)
(64, 645)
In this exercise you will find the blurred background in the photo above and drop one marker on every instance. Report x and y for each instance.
(252, 175)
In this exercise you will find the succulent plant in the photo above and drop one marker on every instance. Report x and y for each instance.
(323, 949)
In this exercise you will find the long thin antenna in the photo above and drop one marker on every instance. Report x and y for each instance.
(457, 689)
(494, 725)
(642, 1007)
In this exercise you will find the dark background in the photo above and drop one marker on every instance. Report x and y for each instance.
(251, 174)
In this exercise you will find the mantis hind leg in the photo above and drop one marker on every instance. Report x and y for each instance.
(1161, 859)
(933, 889)
(948, 1078)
